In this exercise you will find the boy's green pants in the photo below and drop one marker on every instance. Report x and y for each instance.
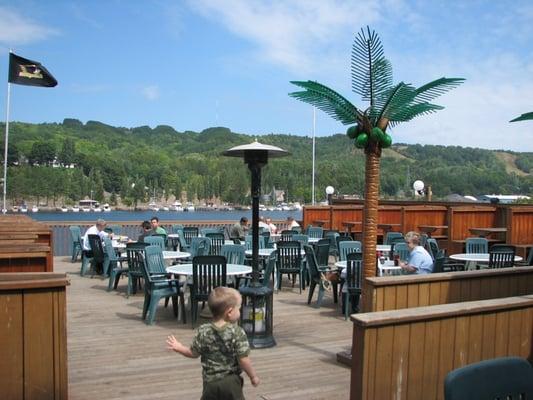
(227, 388)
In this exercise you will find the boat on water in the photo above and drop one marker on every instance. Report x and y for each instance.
(153, 206)
(64, 209)
(176, 206)
(190, 207)
(23, 208)
(106, 208)
(88, 205)
(35, 209)
(97, 209)
(165, 208)
(75, 209)
(15, 209)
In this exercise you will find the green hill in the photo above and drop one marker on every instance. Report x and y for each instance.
(138, 162)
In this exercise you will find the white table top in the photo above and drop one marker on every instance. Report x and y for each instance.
(231, 269)
(313, 240)
(386, 269)
(383, 247)
(477, 257)
(118, 245)
(175, 255)
(173, 235)
(267, 252)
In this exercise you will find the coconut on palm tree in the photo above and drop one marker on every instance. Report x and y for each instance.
(388, 104)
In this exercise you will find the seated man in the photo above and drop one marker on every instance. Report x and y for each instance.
(156, 228)
(419, 262)
(146, 231)
(97, 229)
(238, 231)
(263, 224)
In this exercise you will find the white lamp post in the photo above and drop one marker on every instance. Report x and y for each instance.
(329, 191)
(418, 186)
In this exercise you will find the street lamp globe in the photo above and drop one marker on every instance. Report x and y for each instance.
(330, 190)
(418, 185)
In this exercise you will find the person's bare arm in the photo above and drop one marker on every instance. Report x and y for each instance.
(173, 344)
(405, 266)
(246, 365)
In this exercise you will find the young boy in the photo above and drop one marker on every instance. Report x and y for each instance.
(223, 347)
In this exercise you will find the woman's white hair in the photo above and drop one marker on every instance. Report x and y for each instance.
(413, 237)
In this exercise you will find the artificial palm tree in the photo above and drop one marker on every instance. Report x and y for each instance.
(389, 105)
(523, 117)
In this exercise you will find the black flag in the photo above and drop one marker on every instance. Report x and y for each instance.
(27, 72)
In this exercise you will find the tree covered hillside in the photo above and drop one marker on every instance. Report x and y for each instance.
(133, 164)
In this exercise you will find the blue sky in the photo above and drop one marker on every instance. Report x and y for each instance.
(202, 63)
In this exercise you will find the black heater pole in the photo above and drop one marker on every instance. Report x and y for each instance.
(255, 160)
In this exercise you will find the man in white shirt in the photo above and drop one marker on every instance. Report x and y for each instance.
(97, 229)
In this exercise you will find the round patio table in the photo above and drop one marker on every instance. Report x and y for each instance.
(175, 255)
(267, 252)
(231, 269)
(386, 269)
(476, 257)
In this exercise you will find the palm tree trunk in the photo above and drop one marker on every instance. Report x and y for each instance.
(371, 213)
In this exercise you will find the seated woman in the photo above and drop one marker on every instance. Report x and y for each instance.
(420, 261)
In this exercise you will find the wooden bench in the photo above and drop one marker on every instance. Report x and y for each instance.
(25, 245)
(33, 364)
(407, 353)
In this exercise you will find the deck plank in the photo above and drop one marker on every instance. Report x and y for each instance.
(112, 354)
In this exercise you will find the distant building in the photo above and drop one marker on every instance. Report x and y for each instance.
(501, 198)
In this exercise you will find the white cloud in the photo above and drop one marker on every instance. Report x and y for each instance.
(151, 92)
(16, 29)
(299, 35)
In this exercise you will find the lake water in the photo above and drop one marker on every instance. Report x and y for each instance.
(162, 215)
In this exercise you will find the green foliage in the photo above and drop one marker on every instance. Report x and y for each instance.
(42, 153)
(131, 163)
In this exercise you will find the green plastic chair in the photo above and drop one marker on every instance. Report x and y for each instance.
(113, 264)
(322, 252)
(289, 262)
(346, 247)
(332, 236)
(499, 378)
(303, 239)
(209, 272)
(401, 250)
(286, 235)
(248, 242)
(354, 282)
(502, 256)
(475, 245)
(158, 285)
(316, 232)
(205, 231)
(155, 241)
(75, 237)
(314, 276)
(217, 241)
(135, 255)
(234, 253)
(98, 255)
(392, 235)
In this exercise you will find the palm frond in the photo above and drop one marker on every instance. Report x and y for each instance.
(371, 71)
(523, 117)
(328, 101)
(408, 113)
(394, 100)
(436, 88)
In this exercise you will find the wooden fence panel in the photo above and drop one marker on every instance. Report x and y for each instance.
(406, 354)
(390, 293)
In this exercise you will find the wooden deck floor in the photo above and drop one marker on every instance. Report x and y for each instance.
(112, 354)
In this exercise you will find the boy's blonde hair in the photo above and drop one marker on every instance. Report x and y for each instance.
(220, 299)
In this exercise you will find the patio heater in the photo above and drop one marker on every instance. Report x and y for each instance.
(257, 298)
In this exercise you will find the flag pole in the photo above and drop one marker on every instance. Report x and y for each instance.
(313, 180)
(6, 144)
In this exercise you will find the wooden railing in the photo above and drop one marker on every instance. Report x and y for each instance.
(396, 292)
(33, 336)
(406, 354)
(25, 245)
(460, 219)
(520, 228)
